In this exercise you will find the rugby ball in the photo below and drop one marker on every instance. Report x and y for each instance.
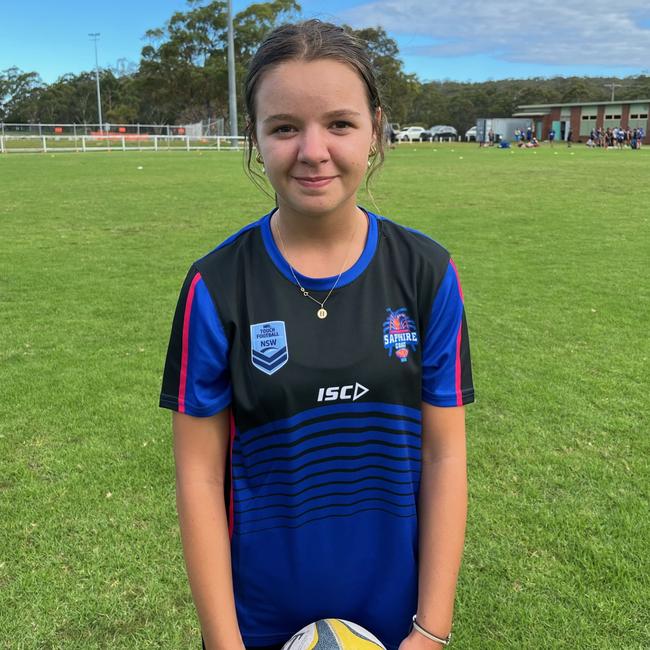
(333, 634)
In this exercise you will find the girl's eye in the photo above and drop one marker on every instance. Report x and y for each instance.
(341, 125)
(284, 128)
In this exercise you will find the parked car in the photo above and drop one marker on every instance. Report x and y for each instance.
(470, 134)
(410, 134)
(443, 132)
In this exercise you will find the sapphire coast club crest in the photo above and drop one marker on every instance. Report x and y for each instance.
(269, 350)
(399, 334)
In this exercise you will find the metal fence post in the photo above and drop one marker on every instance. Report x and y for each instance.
(123, 144)
(44, 144)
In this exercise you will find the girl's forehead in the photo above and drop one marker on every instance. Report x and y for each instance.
(311, 66)
(319, 83)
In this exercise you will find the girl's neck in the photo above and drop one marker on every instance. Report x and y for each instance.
(321, 246)
(327, 230)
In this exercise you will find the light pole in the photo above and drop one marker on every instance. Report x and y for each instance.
(232, 93)
(612, 86)
(95, 37)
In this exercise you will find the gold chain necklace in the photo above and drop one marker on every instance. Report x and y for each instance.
(322, 312)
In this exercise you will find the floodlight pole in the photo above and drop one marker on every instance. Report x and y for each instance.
(612, 86)
(95, 37)
(232, 91)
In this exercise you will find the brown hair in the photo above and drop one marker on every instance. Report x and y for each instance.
(310, 40)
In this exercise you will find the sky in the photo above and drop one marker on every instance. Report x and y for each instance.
(461, 40)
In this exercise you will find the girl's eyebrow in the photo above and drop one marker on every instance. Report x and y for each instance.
(279, 116)
(343, 112)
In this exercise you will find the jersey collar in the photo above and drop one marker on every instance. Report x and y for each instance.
(321, 284)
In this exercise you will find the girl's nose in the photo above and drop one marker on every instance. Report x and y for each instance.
(313, 146)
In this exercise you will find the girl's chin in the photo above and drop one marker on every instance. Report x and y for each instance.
(316, 206)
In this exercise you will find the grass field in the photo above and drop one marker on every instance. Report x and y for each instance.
(553, 248)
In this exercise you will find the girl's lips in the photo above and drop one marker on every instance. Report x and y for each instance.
(316, 181)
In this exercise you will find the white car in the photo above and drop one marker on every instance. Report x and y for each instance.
(443, 132)
(470, 134)
(410, 134)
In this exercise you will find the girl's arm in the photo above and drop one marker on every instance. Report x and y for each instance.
(442, 513)
(200, 451)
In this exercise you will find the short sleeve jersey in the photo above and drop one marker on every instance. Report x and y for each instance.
(325, 442)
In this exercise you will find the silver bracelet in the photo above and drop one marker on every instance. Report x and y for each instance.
(416, 626)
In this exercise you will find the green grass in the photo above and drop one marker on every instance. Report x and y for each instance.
(553, 251)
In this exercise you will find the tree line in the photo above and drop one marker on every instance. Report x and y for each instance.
(182, 77)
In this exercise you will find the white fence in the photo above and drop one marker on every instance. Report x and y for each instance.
(203, 128)
(86, 143)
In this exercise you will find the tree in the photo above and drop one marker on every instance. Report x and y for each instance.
(253, 24)
(430, 106)
(184, 70)
(575, 89)
(17, 92)
(397, 88)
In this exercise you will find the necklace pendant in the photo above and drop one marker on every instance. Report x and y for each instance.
(322, 313)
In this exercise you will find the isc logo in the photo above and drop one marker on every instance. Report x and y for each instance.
(353, 392)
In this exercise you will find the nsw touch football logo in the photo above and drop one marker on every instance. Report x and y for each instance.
(399, 334)
(269, 349)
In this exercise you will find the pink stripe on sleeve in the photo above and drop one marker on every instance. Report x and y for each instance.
(186, 335)
(459, 392)
(460, 289)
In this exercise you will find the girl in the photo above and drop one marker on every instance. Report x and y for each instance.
(317, 369)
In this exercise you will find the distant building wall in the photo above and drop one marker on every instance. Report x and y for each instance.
(581, 119)
(575, 122)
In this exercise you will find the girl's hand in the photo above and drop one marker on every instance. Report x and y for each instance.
(416, 641)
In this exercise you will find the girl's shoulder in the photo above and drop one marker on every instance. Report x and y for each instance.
(242, 236)
(412, 243)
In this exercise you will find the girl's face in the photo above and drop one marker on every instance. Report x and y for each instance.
(314, 131)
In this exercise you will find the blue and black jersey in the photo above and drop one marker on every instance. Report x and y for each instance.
(325, 454)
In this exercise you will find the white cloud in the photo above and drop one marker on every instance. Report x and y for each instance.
(556, 32)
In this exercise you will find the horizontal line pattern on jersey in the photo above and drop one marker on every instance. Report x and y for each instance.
(330, 461)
